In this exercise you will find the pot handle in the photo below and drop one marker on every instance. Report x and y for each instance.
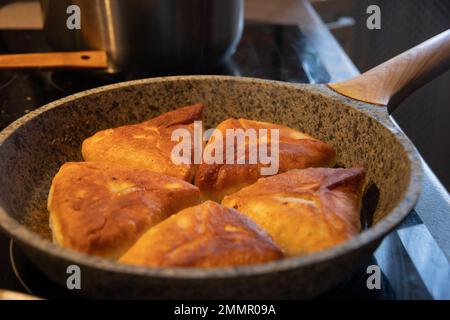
(392, 81)
(78, 59)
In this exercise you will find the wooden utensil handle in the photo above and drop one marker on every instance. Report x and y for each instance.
(392, 81)
(79, 59)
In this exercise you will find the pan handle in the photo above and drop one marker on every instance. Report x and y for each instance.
(77, 59)
(392, 81)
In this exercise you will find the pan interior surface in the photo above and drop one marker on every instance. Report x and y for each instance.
(34, 147)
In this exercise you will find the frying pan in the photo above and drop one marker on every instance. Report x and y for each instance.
(351, 116)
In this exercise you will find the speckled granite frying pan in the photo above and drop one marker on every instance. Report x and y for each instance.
(33, 148)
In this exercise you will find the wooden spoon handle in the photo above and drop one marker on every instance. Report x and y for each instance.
(79, 59)
(12, 295)
(392, 81)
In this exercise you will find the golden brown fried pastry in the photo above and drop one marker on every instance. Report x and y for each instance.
(296, 151)
(145, 145)
(103, 208)
(305, 210)
(207, 235)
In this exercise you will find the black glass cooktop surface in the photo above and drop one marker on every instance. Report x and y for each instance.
(265, 51)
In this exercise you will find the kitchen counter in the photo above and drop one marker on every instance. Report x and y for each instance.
(416, 257)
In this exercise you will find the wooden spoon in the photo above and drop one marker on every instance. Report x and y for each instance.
(52, 60)
(12, 295)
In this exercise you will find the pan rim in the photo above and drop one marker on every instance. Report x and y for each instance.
(26, 237)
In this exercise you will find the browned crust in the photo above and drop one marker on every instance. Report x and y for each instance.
(103, 208)
(305, 210)
(184, 115)
(296, 151)
(207, 235)
(145, 145)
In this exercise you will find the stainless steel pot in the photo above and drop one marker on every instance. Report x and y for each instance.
(149, 35)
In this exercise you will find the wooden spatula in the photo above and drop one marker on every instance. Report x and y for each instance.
(76, 60)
